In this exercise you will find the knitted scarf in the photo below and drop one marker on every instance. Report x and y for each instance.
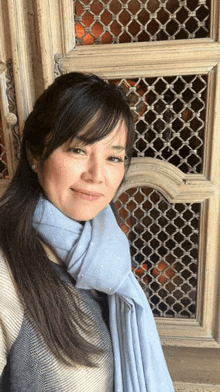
(97, 256)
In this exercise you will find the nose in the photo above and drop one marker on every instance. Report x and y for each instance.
(94, 171)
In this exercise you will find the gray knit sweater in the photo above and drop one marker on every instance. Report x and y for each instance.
(26, 364)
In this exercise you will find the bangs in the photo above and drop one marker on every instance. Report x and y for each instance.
(77, 106)
(89, 124)
(99, 127)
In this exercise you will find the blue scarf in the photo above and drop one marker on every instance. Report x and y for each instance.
(97, 256)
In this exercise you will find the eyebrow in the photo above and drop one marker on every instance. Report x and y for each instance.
(119, 148)
(81, 142)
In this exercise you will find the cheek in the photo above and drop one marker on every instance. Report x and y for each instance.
(50, 176)
(117, 179)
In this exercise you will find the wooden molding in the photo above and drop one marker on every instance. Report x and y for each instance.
(176, 186)
(195, 369)
(215, 22)
(184, 333)
(67, 25)
(189, 387)
(196, 56)
(208, 291)
(21, 60)
(186, 341)
(7, 128)
(45, 21)
(8, 107)
(3, 67)
(212, 142)
(146, 59)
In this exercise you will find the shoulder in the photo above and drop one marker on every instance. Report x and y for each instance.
(11, 311)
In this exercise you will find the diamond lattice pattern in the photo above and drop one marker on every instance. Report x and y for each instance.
(169, 114)
(121, 21)
(164, 241)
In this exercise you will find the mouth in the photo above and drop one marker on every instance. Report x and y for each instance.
(86, 195)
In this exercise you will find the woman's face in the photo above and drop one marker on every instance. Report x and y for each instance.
(82, 180)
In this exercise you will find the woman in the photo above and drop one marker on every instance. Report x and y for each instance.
(72, 315)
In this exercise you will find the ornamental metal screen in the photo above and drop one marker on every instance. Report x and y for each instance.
(170, 119)
(164, 241)
(3, 157)
(121, 21)
(170, 115)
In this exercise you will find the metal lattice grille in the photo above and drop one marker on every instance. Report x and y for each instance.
(164, 241)
(3, 157)
(121, 21)
(170, 114)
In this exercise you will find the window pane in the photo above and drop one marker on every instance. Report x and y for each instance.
(121, 21)
(164, 240)
(170, 114)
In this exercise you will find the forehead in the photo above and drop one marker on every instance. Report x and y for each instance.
(118, 135)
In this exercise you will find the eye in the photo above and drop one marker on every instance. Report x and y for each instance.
(76, 150)
(115, 159)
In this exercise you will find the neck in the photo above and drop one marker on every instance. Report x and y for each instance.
(51, 254)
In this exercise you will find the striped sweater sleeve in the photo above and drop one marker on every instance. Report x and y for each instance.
(11, 313)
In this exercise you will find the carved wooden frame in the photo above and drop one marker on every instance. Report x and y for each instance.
(8, 107)
(161, 59)
(157, 59)
(55, 20)
(16, 77)
(178, 187)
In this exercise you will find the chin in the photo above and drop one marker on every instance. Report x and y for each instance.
(82, 213)
(81, 217)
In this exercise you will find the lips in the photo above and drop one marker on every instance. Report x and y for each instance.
(86, 195)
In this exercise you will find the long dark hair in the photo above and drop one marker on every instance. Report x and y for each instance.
(76, 104)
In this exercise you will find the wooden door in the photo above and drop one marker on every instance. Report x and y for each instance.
(165, 54)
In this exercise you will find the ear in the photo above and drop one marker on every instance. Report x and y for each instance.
(33, 161)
